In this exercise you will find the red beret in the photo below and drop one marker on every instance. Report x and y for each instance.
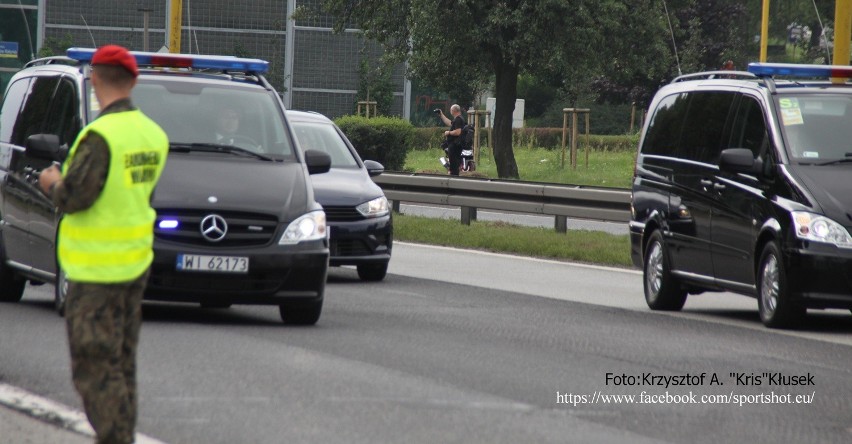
(117, 56)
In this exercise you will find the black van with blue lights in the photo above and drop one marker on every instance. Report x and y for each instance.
(237, 220)
(743, 183)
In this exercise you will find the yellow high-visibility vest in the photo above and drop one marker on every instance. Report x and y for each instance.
(111, 241)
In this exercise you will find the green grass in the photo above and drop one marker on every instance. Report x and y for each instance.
(580, 246)
(606, 168)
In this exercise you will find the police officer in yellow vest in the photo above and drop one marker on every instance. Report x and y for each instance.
(105, 242)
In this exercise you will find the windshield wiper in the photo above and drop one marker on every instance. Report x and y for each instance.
(848, 159)
(216, 147)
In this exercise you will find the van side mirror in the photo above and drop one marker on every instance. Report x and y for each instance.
(374, 168)
(740, 160)
(45, 147)
(317, 161)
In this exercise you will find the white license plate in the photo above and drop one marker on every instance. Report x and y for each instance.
(220, 264)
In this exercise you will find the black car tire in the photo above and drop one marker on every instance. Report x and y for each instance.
(11, 285)
(373, 272)
(60, 292)
(662, 290)
(301, 312)
(774, 303)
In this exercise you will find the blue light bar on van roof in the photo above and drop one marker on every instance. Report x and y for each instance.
(794, 70)
(166, 60)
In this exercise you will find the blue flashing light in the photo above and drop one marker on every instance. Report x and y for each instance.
(168, 224)
(794, 70)
(166, 60)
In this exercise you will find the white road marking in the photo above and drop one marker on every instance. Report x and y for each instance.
(53, 412)
(548, 282)
(526, 258)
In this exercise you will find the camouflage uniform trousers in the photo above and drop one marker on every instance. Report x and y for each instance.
(103, 322)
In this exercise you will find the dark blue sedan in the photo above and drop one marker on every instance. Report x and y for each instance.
(357, 213)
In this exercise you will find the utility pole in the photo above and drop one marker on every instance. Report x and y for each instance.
(842, 32)
(175, 20)
(145, 15)
(764, 31)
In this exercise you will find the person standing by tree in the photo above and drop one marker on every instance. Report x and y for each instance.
(453, 135)
(105, 242)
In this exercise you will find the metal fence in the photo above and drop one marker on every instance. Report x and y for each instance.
(560, 201)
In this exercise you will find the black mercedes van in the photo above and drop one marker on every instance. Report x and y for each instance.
(743, 183)
(237, 220)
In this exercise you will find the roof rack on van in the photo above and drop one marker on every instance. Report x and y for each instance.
(714, 75)
(191, 61)
(53, 60)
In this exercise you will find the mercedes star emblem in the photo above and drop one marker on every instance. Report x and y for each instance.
(213, 227)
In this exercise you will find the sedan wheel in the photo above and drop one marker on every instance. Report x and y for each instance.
(301, 312)
(372, 272)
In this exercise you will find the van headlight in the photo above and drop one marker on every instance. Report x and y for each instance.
(310, 226)
(818, 228)
(374, 208)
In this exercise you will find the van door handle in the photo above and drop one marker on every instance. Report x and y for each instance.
(719, 186)
(706, 183)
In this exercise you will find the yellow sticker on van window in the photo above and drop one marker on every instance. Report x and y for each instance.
(792, 116)
(791, 113)
(789, 103)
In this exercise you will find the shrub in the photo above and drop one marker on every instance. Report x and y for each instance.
(428, 138)
(551, 138)
(383, 139)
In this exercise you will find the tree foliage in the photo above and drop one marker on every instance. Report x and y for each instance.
(458, 45)
(614, 51)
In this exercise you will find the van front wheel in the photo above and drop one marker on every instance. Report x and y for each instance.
(662, 290)
(11, 285)
(774, 303)
(60, 293)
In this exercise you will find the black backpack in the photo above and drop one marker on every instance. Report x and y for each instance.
(466, 137)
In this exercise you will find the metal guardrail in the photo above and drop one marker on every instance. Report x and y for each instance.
(470, 194)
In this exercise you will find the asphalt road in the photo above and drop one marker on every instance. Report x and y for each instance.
(466, 347)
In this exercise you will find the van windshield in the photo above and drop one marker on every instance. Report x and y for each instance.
(817, 128)
(193, 112)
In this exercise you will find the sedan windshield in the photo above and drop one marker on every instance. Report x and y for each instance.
(817, 127)
(193, 113)
(324, 137)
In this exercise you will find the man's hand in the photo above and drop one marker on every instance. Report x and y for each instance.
(48, 177)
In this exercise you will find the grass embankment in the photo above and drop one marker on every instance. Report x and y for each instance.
(581, 246)
(606, 168)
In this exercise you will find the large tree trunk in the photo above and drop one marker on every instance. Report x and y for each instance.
(507, 93)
